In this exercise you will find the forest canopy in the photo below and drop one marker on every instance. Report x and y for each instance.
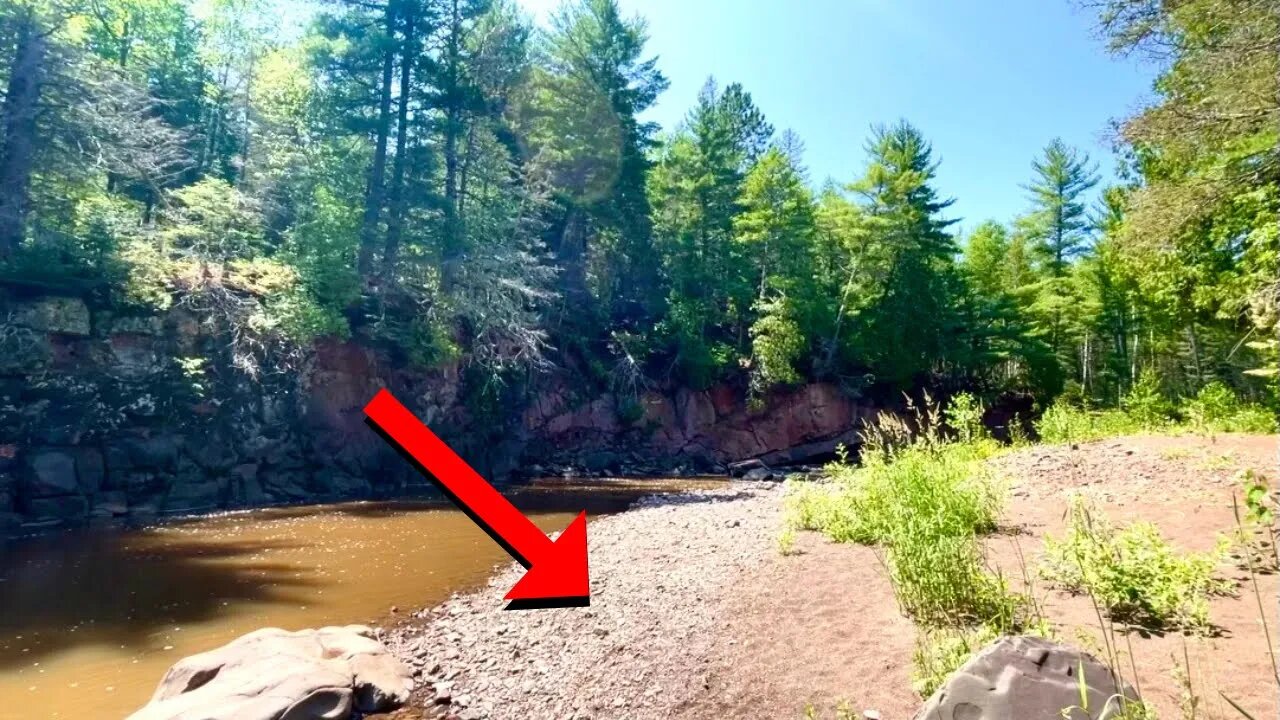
(450, 181)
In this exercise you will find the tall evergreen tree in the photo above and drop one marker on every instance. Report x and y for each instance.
(908, 324)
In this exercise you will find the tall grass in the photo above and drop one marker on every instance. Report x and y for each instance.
(923, 501)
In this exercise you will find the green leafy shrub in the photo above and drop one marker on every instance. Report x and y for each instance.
(1256, 534)
(940, 652)
(941, 486)
(964, 417)
(787, 540)
(1133, 572)
(1146, 405)
(1063, 423)
(1252, 419)
(1213, 404)
(1217, 409)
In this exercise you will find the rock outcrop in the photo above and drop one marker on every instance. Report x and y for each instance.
(702, 430)
(109, 417)
(1027, 678)
(272, 674)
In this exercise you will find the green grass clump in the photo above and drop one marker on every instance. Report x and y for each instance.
(941, 651)
(1133, 572)
(1063, 423)
(924, 503)
(939, 490)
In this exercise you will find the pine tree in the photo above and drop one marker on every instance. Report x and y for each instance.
(1058, 224)
(908, 323)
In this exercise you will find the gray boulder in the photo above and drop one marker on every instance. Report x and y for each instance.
(759, 474)
(1027, 678)
(739, 469)
(273, 674)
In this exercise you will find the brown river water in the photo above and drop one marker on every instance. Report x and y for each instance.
(90, 621)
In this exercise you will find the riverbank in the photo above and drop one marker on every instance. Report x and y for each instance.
(696, 614)
(92, 619)
(660, 574)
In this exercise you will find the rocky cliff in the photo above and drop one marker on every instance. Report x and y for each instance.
(108, 417)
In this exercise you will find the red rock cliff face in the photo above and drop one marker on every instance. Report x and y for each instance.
(103, 419)
(714, 426)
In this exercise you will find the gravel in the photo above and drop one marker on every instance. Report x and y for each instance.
(659, 575)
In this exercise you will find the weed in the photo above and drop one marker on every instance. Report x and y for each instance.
(924, 504)
(1255, 534)
(924, 501)
(1133, 572)
(1144, 409)
(1221, 461)
(787, 541)
(843, 711)
(964, 417)
(939, 652)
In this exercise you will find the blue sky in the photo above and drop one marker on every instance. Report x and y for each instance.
(989, 82)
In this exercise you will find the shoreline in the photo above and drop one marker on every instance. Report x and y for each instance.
(659, 575)
(695, 613)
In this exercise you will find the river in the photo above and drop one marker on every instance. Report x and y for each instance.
(89, 621)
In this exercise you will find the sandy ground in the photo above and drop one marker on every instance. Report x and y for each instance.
(695, 614)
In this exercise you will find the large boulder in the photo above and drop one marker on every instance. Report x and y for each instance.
(273, 674)
(1027, 678)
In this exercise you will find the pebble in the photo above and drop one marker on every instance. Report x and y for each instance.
(544, 663)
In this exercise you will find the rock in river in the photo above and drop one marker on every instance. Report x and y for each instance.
(273, 674)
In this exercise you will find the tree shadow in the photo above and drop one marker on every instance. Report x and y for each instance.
(113, 588)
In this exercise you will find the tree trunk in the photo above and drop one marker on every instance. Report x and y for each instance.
(376, 190)
(395, 221)
(571, 256)
(17, 154)
(1194, 341)
(453, 117)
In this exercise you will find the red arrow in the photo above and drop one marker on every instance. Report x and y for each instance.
(557, 571)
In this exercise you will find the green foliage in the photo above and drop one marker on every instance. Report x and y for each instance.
(1217, 409)
(777, 343)
(1146, 409)
(924, 503)
(1133, 572)
(940, 652)
(964, 416)
(1063, 423)
(449, 160)
(787, 540)
(1145, 403)
(212, 220)
(1259, 506)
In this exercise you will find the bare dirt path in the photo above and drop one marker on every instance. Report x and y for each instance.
(695, 614)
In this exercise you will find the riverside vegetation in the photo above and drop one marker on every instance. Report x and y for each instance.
(925, 497)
